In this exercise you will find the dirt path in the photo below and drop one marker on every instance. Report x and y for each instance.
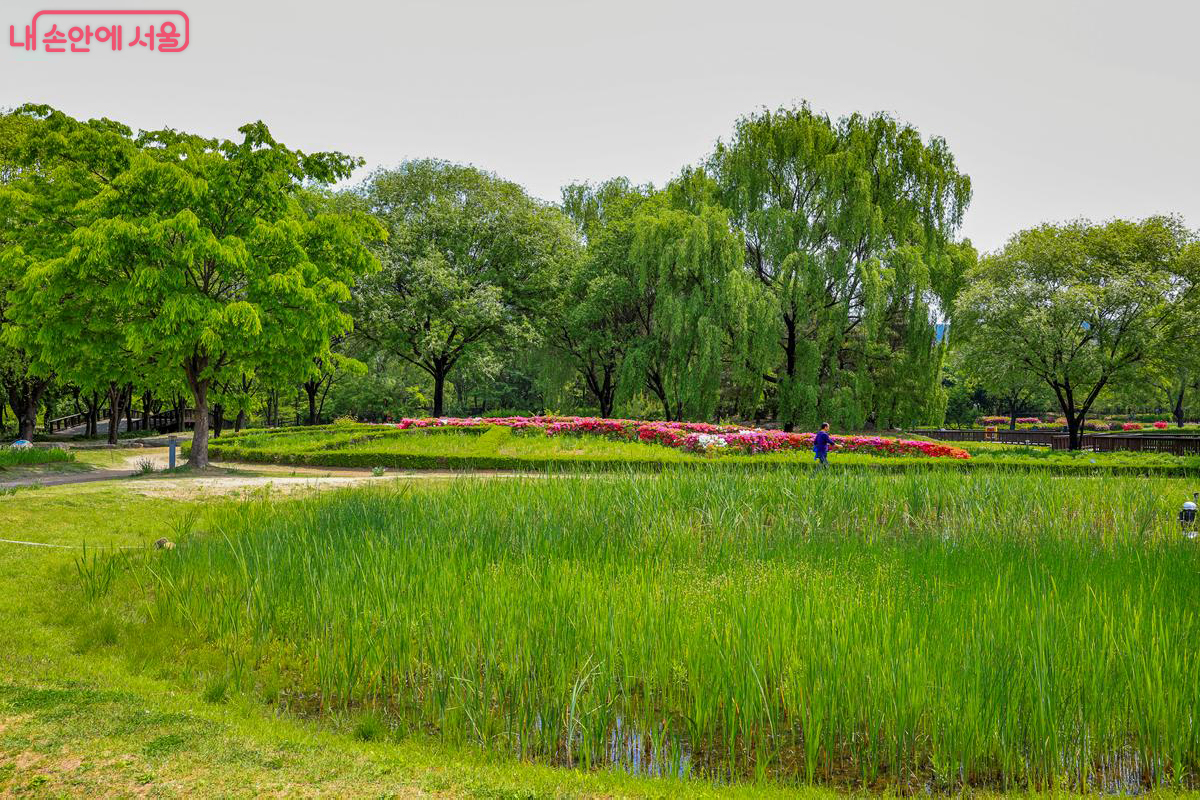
(232, 478)
(58, 479)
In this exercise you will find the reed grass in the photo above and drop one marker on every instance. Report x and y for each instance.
(924, 631)
(20, 457)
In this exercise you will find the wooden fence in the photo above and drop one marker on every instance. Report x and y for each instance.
(1098, 442)
(1038, 438)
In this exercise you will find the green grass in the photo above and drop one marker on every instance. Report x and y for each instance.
(499, 448)
(88, 708)
(924, 630)
(13, 457)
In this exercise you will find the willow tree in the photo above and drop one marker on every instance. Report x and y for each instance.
(848, 226)
(699, 324)
(1084, 308)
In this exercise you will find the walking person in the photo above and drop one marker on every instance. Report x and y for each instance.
(822, 444)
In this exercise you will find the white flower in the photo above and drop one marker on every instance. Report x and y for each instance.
(707, 440)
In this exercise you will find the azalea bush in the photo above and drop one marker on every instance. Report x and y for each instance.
(1131, 426)
(1005, 420)
(695, 437)
(1162, 426)
(1089, 425)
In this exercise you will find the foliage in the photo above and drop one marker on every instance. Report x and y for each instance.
(1080, 306)
(470, 260)
(601, 306)
(698, 437)
(19, 457)
(702, 321)
(194, 256)
(849, 226)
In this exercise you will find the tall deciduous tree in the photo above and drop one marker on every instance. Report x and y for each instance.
(1082, 307)
(847, 224)
(701, 317)
(596, 315)
(470, 261)
(195, 257)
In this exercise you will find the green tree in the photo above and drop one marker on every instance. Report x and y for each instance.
(1008, 391)
(195, 258)
(597, 312)
(1083, 307)
(848, 225)
(471, 261)
(700, 320)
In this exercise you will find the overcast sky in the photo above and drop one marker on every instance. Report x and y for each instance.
(1055, 109)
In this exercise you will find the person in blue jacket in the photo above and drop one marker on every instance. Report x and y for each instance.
(822, 444)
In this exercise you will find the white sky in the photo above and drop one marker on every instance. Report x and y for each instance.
(1055, 109)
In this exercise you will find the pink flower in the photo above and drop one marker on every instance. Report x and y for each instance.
(696, 436)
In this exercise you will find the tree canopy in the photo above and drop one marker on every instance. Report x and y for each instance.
(1082, 306)
(189, 256)
(469, 261)
(806, 270)
(848, 225)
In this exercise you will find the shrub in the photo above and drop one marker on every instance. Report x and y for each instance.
(1131, 426)
(1160, 425)
(697, 437)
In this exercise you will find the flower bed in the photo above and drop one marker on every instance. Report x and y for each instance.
(697, 437)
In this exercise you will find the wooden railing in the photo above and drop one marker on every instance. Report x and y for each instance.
(71, 420)
(1175, 445)
(159, 421)
(1099, 442)
(1037, 438)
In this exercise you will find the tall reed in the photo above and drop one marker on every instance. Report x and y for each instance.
(919, 630)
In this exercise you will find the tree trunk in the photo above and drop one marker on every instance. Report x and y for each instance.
(1074, 432)
(439, 391)
(1177, 411)
(789, 351)
(93, 415)
(218, 419)
(129, 426)
(24, 399)
(147, 406)
(310, 389)
(26, 422)
(239, 421)
(114, 412)
(198, 457)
